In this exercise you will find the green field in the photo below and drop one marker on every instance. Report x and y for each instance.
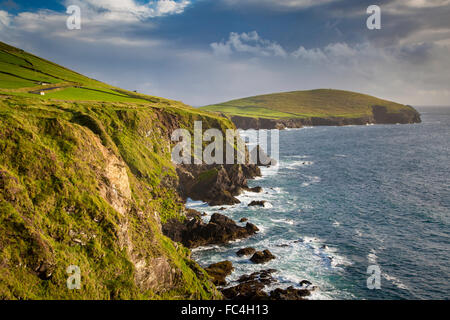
(322, 103)
(23, 74)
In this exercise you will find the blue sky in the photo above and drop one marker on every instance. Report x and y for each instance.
(207, 51)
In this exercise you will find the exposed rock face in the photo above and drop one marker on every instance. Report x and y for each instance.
(219, 230)
(379, 116)
(215, 184)
(246, 252)
(289, 294)
(257, 203)
(262, 256)
(219, 271)
(256, 189)
(251, 287)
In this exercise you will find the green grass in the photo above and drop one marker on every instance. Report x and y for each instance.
(300, 104)
(12, 82)
(54, 151)
(86, 94)
(22, 74)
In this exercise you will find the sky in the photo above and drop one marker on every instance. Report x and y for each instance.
(209, 51)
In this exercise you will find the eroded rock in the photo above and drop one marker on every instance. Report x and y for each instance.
(219, 230)
(219, 272)
(246, 252)
(262, 257)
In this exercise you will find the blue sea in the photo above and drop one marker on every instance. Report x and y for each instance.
(346, 198)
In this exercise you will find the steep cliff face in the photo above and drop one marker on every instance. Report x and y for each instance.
(380, 115)
(89, 184)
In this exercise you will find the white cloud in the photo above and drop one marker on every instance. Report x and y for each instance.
(278, 4)
(405, 6)
(100, 21)
(128, 10)
(250, 43)
(5, 19)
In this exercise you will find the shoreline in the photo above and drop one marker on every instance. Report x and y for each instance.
(282, 281)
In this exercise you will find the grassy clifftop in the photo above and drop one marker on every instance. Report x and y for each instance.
(321, 103)
(85, 180)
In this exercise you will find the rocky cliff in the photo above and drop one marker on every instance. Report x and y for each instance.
(380, 115)
(90, 185)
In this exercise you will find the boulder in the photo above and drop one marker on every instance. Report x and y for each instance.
(217, 185)
(246, 252)
(256, 189)
(257, 203)
(262, 257)
(196, 233)
(219, 271)
(289, 294)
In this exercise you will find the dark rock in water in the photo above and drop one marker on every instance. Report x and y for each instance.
(215, 184)
(243, 220)
(256, 189)
(251, 228)
(289, 294)
(257, 203)
(195, 233)
(262, 257)
(219, 271)
(305, 283)
(263, 276)
(283, 245)
(251, 287)
(324, 247)
(246, 252)
(251, 290)
(222, 209)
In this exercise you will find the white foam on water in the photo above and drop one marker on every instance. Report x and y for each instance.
(395, 281)
(297, 164)
(372, 257)
(286, 221)
(312, 180)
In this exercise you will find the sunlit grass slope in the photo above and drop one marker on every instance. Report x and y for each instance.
(322, 103)
(86, 179)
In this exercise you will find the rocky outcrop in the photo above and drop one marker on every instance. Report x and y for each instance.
(290, 294)
(219, 230)
(257, 203)
(245, 252)
(219, 271)
(380, 115)
(262, 257)
(251, 287)
(215, 184)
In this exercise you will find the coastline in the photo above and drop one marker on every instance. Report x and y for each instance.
(243, 268)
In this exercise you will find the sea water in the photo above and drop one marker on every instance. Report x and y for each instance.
(346, 198)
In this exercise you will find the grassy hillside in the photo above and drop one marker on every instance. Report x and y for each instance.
(26, 75)
(86, 179)
(323, 103)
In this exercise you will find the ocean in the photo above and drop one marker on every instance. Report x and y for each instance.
(346, 198)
